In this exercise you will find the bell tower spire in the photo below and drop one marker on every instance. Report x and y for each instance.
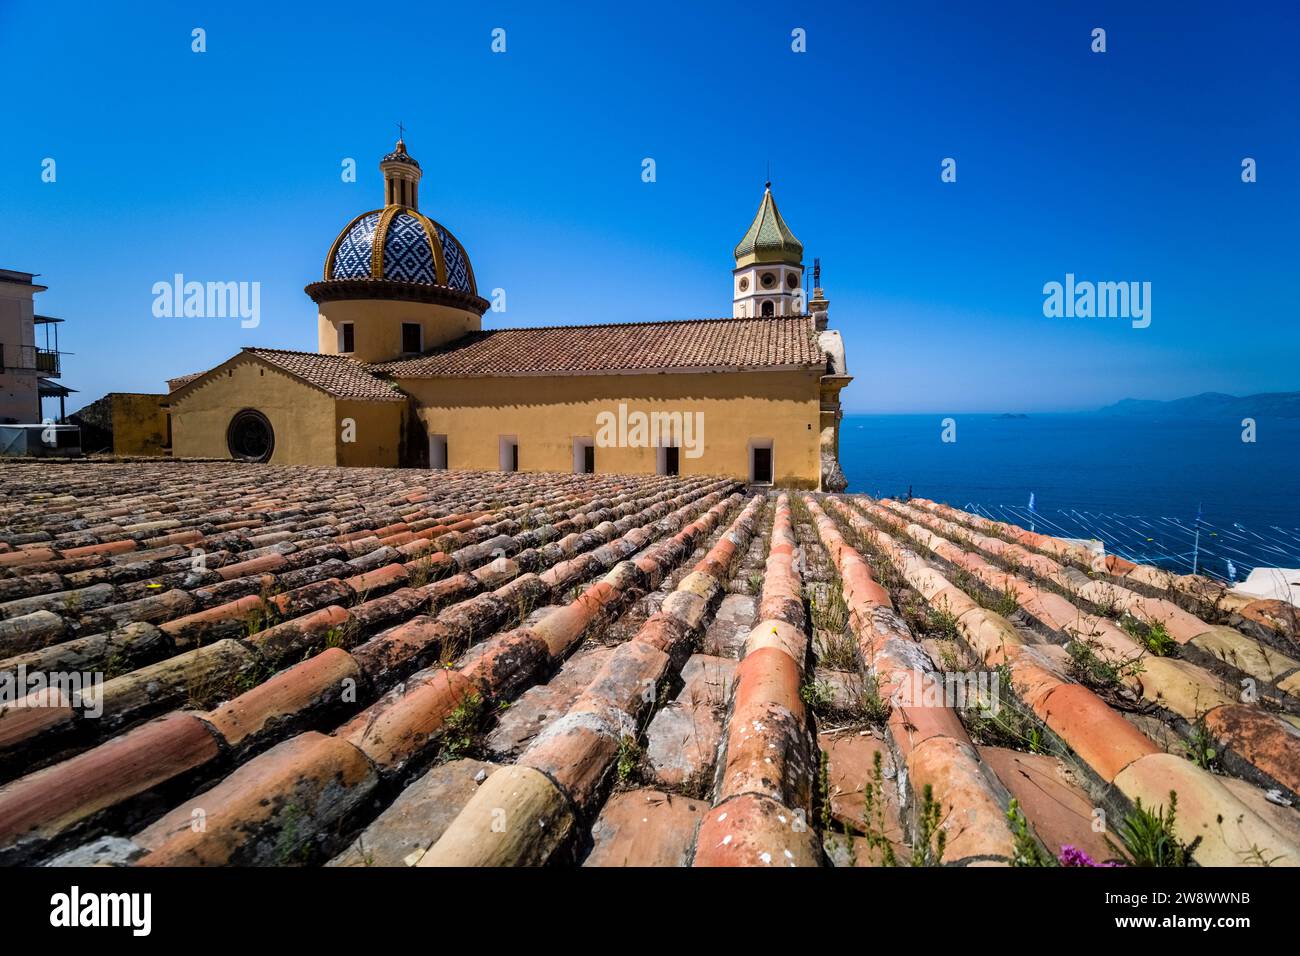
(768, 277)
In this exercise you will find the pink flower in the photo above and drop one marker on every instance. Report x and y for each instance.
(1073, 856)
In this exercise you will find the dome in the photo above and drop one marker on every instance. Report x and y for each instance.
(396, 253)
(399, 244)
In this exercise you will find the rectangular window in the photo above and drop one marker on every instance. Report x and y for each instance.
(438, 452)
(584, 456)
(669, 460)
(760, 461)
(509, 454)
(346, 342)
(412, 337)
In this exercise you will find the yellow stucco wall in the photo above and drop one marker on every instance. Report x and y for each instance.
(139, 423)
(378, 433)
(307, 422)
(377, 326)
(547, 413)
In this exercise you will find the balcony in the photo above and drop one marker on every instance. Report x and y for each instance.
(47, 362)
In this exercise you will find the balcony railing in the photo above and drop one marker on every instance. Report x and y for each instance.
(47, 362)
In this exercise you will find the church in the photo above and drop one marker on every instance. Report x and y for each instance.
(405, 375)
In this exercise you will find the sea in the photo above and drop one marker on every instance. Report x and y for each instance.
(1137, 483)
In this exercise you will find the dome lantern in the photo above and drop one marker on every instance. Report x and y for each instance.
(401, 177)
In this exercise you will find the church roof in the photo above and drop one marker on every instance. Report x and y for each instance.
(769, 239)
(695, 345)
(338, 375)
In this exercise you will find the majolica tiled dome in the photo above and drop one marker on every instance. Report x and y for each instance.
(397, 246)
(402, 245)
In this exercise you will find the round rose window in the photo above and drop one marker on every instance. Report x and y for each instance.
(250, 436)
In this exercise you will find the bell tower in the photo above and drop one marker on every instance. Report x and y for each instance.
(768, 277)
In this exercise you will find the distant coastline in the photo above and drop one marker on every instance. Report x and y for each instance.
(1211, 405)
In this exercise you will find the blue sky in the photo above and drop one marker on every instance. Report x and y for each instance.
(1125, 165)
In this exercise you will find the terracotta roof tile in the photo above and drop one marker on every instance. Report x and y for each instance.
(228, 701)
(633, 347)
(339, 375)
(182, 380)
